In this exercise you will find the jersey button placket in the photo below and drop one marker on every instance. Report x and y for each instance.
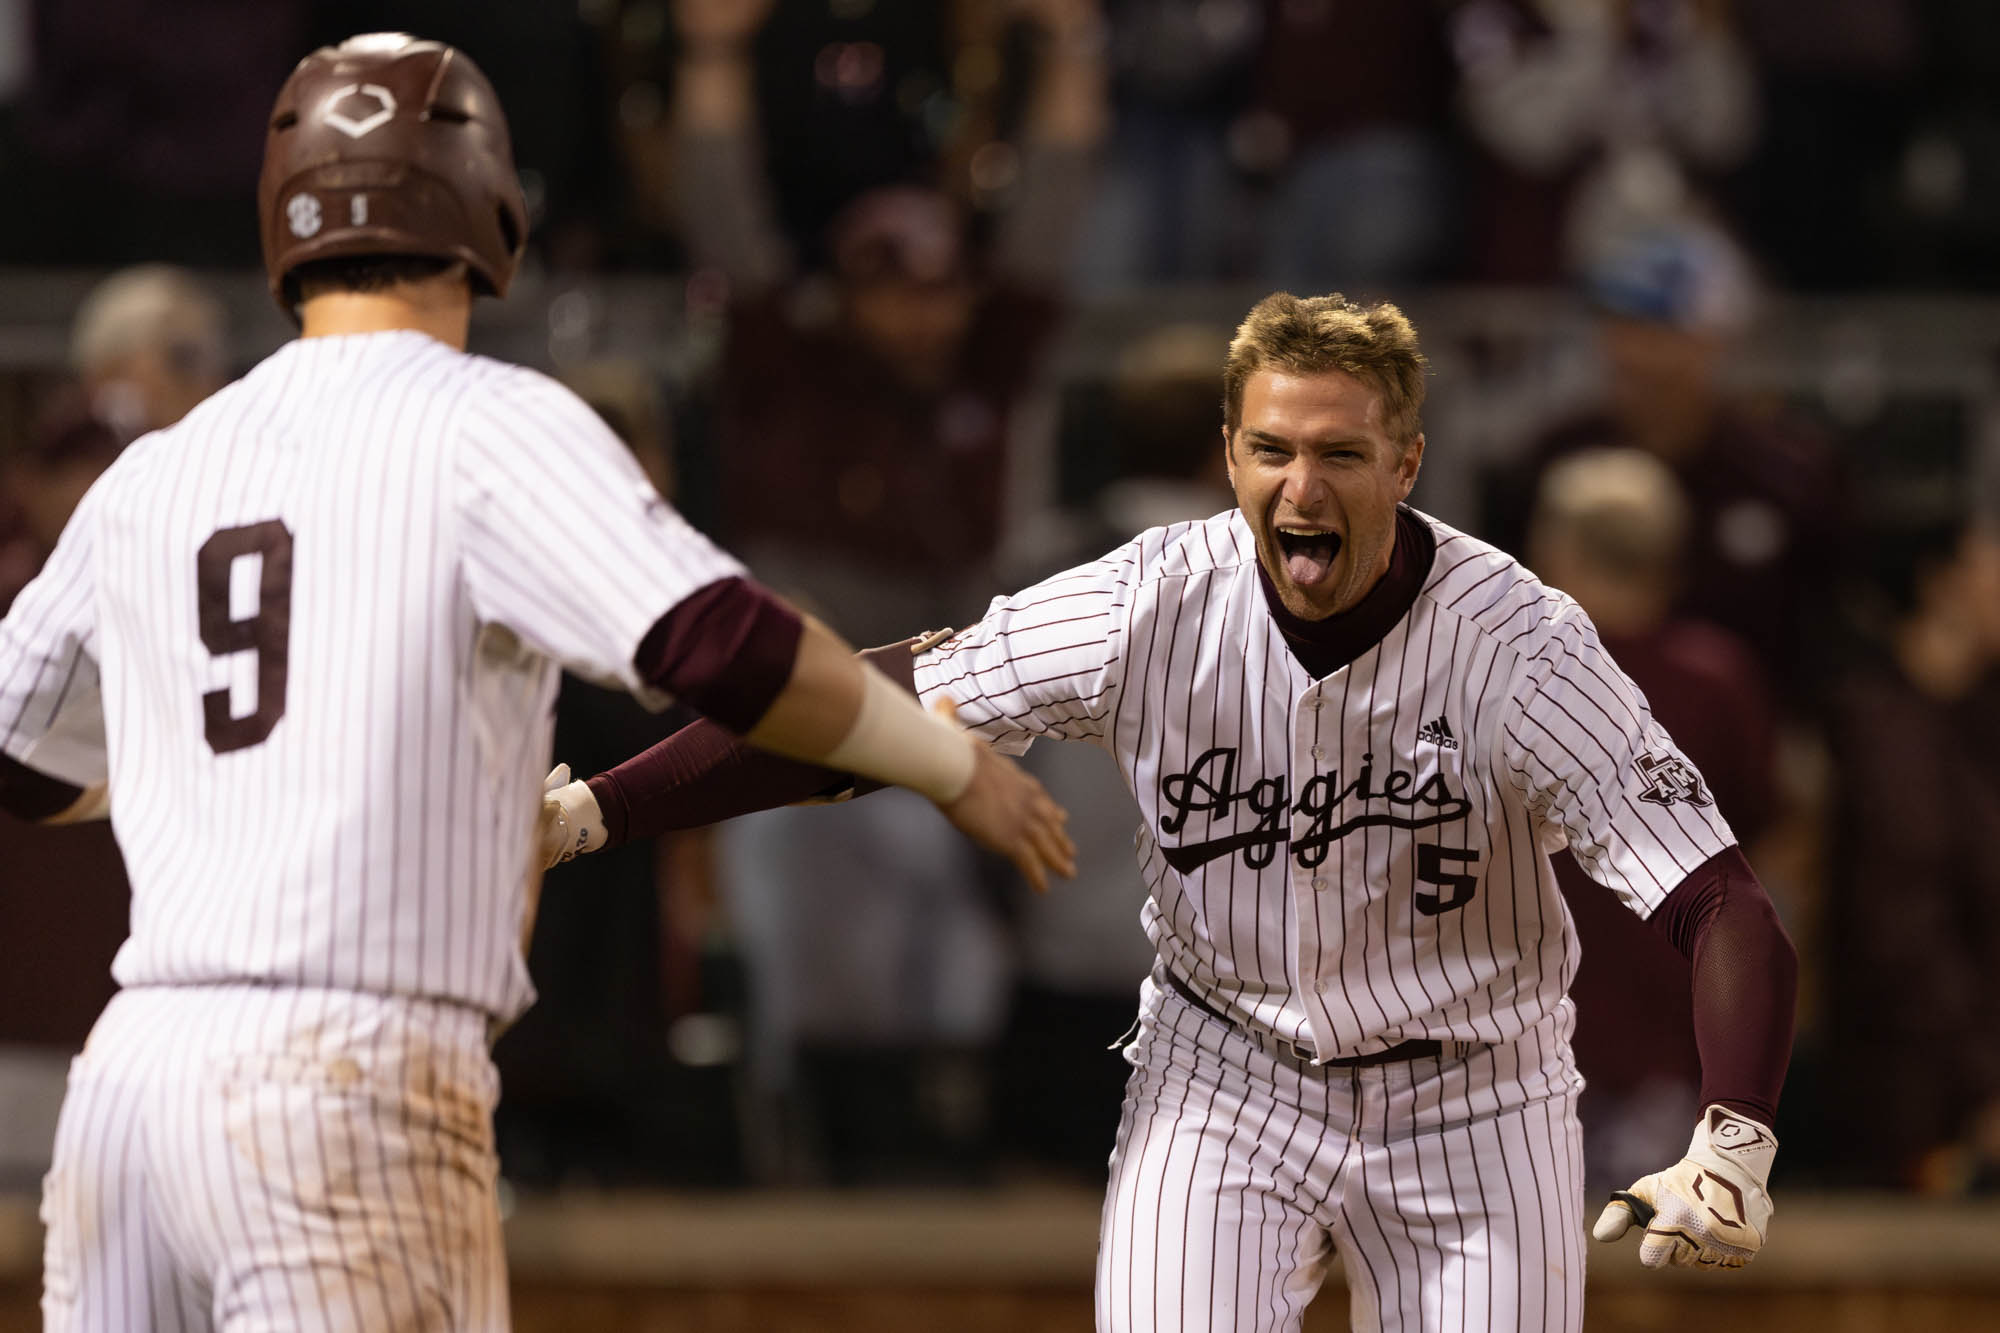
(1308, 769)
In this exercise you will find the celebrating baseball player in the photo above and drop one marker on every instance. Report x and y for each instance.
(1355, 735)
(308, 638)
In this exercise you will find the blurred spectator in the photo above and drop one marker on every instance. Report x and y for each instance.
(865, 410)
(1913, 995)
(1595, 116)
(1175, 200)
(148, 343)
(845, 97)
(1362, 191)
(863, 428)
(1610, 529)
(141, 128)
(1763, 489)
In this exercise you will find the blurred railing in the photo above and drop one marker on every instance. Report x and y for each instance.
(1844, 348)
(1877, 367)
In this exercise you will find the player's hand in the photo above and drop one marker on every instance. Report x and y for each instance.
(1711, 1210)
(1007, 811)
(570, 823)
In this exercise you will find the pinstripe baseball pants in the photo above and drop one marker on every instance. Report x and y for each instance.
(1451, 1188)
(252, 1157)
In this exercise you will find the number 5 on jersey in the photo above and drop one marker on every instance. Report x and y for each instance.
(1433, 864)
(267, 632)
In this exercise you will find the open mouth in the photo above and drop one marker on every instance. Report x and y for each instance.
(1308, 553)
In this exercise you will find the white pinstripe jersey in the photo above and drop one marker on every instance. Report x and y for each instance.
(1359, 860)
(324, 615)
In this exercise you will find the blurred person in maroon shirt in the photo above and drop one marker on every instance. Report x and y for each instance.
(865, 409)
(1764, 488)
(1610, 529)
(1912, 985)
(865, 425)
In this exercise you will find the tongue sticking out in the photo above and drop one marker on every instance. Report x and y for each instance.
(1307, 559)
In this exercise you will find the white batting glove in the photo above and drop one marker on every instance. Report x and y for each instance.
(571, 823)
(1712, 1209)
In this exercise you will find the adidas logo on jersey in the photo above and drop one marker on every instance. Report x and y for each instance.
(1437, 732)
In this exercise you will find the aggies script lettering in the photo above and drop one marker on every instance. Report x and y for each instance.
(1209, 787)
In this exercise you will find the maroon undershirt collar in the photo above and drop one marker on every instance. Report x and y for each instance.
(1325, 646)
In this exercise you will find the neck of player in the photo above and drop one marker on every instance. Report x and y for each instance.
(439, 306)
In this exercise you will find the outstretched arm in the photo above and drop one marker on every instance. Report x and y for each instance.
(704, 773)
(1068, 629)
(654, 606)
(836, 718)
(1642, 822)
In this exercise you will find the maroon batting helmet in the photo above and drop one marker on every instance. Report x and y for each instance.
(388, 145)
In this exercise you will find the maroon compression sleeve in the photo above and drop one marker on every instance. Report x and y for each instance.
(1745, 982)
(726, 650)
(702, 774)
(31, 794)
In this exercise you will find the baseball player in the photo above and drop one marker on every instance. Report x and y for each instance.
(1356, 735)
(308, 638)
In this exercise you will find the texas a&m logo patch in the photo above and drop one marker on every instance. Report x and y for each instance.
(1670, 778)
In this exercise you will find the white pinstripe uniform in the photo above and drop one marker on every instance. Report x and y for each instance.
(1338, 866)
(324, 616)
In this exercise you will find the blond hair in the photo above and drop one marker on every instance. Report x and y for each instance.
(1623, 510)
(1376, 344)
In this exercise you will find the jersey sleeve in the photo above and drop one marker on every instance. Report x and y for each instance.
(51, 713)
(1600, 774)
(1046, 661)
(564, 540)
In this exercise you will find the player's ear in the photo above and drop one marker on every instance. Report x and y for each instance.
(1408, 465)
(1228, 454)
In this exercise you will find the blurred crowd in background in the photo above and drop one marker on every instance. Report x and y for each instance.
(879, 220)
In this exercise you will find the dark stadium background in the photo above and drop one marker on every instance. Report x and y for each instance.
(1804, 192)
